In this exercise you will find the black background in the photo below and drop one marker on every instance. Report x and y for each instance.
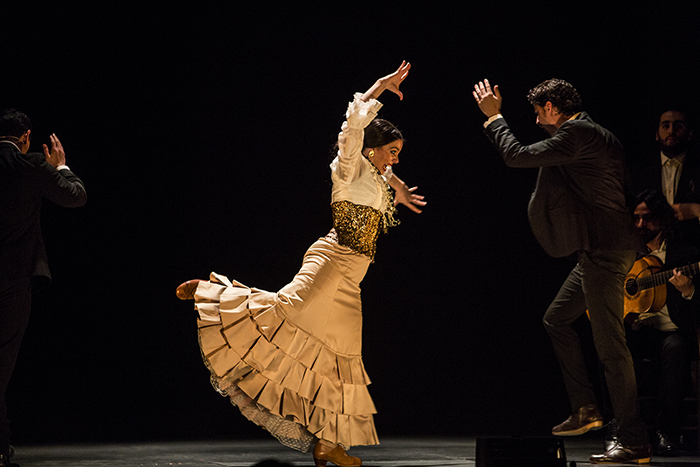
(203, 132)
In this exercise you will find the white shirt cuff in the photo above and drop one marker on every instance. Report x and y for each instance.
(61, 167)
(491, 119)
(689, 297)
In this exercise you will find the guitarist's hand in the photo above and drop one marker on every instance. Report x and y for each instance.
(683, 283)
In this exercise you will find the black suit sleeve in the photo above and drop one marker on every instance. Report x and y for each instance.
(62, 187)
(562, 148)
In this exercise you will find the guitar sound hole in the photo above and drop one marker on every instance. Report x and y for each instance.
(631, 287)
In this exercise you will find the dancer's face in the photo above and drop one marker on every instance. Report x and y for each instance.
(547, 117)
(387, 155)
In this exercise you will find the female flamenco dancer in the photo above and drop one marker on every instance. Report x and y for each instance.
(291, 361)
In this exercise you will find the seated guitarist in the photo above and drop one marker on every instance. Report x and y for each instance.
(667, 334)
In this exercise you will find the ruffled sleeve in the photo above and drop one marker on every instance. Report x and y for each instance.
(350, 139)
(388, 173)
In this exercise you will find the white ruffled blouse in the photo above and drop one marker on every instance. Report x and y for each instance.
(355, 178)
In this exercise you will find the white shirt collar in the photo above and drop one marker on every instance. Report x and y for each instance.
(680, 158)
(8, 141)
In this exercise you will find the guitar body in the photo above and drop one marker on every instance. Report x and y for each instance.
(645, 286)
(650, 299)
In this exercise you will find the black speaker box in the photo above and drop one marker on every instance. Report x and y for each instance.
(520, 452)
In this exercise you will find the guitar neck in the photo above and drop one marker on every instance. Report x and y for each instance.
(660, 278)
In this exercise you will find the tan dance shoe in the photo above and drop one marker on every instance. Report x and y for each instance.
(337, 455)
(185, 291)
(585, 419)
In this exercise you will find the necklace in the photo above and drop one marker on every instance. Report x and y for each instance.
(388, 219)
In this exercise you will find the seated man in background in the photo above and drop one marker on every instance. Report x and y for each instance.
(674, 169)
(666, 334)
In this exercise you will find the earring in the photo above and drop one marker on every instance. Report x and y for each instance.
(371, 154)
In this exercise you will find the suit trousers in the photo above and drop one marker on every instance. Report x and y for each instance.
(674, 369)
(596, 284)
(15, 306)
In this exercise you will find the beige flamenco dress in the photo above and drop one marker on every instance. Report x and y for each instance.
(291, 360)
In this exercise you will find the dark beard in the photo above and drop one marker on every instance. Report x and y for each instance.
(647, 234)
(676, 149)
(550, 129)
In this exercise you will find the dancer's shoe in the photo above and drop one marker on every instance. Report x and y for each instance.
(337, 455)
(621, 454)
(185, 291)
(586, 418)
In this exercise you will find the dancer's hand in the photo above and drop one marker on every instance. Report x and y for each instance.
(405, 195)
(390, 82)
(488, 101)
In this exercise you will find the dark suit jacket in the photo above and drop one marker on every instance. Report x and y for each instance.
(24, 181)
(578, 202)
(648, 176)
(683, 313)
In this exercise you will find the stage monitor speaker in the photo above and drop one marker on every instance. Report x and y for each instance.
(520, 452)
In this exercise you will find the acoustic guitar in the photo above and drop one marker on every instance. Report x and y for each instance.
(645, 286)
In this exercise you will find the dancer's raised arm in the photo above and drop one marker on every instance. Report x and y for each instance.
(390, 82)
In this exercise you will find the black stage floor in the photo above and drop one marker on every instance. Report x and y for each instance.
(393, 452)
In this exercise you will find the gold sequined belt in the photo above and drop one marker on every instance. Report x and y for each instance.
(356, 227)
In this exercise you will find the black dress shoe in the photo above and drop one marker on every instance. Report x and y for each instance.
(620, 454)
(664, 446)
(611, 436)
(586, 418)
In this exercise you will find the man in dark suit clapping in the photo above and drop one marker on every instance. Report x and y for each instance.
(25, 180)
(578, 208)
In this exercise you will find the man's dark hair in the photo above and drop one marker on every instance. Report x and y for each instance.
(661, 212)
(380, 132)
(561, 94)
(13, 123)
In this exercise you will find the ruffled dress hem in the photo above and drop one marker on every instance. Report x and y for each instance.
(281, 376)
